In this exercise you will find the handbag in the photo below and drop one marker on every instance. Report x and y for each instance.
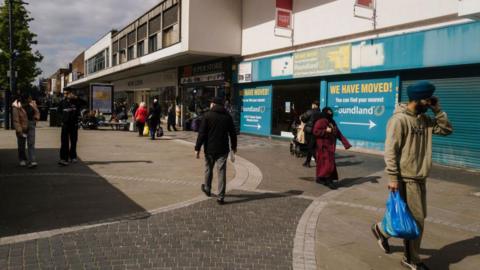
(398, 221)
(159, 132)
(146, 131)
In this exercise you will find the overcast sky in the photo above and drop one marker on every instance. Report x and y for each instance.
(65, 28)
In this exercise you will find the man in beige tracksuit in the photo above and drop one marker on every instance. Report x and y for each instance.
(408, 158)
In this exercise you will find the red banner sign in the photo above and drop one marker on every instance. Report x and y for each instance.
(285, 4)
(364, 3)
(284, 19)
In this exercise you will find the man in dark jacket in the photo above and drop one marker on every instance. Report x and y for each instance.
(154, 118)
(216, 127)
(69, 109)
(309, 118)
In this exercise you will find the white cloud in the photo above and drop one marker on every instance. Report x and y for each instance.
(65, 28)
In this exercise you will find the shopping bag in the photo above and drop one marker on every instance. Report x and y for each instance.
(146, 131)
(301, 133)
(131, 127)
(159, 132)
(398, 221)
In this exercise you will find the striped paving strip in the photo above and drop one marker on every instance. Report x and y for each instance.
(107, 176)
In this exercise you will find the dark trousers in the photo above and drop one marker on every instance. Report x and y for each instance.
(221, 161)
(140, 127)
(68, 150)
(311, 146)
(153, 129)
(171, 125)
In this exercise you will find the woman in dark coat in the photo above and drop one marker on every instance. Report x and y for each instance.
(326, 133)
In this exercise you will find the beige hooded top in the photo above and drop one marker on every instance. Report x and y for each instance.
(408, 147)
(20, 118)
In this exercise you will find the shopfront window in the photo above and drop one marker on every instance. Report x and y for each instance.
(165, 95)
(289, 102)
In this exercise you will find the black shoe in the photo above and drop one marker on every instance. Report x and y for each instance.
(382, 241)
(207, 192)
(221, 201)
(306, 165)
(413, 266)
(330, 184)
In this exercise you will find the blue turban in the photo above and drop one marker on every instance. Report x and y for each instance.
(420, 90)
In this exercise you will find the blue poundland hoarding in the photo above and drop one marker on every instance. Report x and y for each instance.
(256, 110)
(362, 109)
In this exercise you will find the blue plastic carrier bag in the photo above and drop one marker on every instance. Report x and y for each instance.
(398, 221)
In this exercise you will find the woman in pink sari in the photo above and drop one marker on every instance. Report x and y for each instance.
(326, 133)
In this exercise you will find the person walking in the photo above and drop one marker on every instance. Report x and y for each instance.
(25, 115)
(154, 118)
(215, 130)
(140, 117)
(69, 109)
(171, 118)
(309, 118)
(326, 133)
(408, 158)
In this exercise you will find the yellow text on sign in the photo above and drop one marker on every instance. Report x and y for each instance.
(364, 88)
(255, 92)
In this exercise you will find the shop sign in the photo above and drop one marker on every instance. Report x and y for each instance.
(256, 110)
(282, 66)
(283, 18)
(245, 72)
(362, 108)
(203, 78)
(365, 3)
(283, 14)
(322, 61)
(101, 97)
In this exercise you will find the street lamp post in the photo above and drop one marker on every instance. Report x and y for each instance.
(12, 74)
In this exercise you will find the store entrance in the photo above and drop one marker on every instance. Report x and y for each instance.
(289, 102)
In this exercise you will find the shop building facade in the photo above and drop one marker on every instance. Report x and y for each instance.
(361, 69)
(144, 59)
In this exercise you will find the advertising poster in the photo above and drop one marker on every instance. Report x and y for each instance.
(362, 108)
(256, 110)
(322, 61)
(101, 98)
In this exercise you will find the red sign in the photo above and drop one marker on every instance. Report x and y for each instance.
(285, 4)
(364, 3)
(284, 19)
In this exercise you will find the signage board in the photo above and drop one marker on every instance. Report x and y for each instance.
(245, 72)
(101, 98)
(282, 66)
(362, 108)
(256, 110)
(322, 61)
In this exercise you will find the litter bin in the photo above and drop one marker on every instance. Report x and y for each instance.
(43, 113)
(54, 118)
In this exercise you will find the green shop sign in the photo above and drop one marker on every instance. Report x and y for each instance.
(322, 61)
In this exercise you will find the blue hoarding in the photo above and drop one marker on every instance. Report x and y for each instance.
(362, 108)
(256, 110)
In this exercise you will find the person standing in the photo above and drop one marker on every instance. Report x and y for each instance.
(327, 133)
(408, 158)
(171, 118)
(215, 130)
(69, 109)
(25, 115)
(154, 118)
(309, 118)
(141, 117)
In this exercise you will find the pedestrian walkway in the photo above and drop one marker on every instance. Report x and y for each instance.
(132, 203)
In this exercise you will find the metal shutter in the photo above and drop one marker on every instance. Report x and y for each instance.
(460, 98)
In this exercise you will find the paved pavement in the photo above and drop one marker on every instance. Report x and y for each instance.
(135, 204)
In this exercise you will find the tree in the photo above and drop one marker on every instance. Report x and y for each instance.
(26, 60)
